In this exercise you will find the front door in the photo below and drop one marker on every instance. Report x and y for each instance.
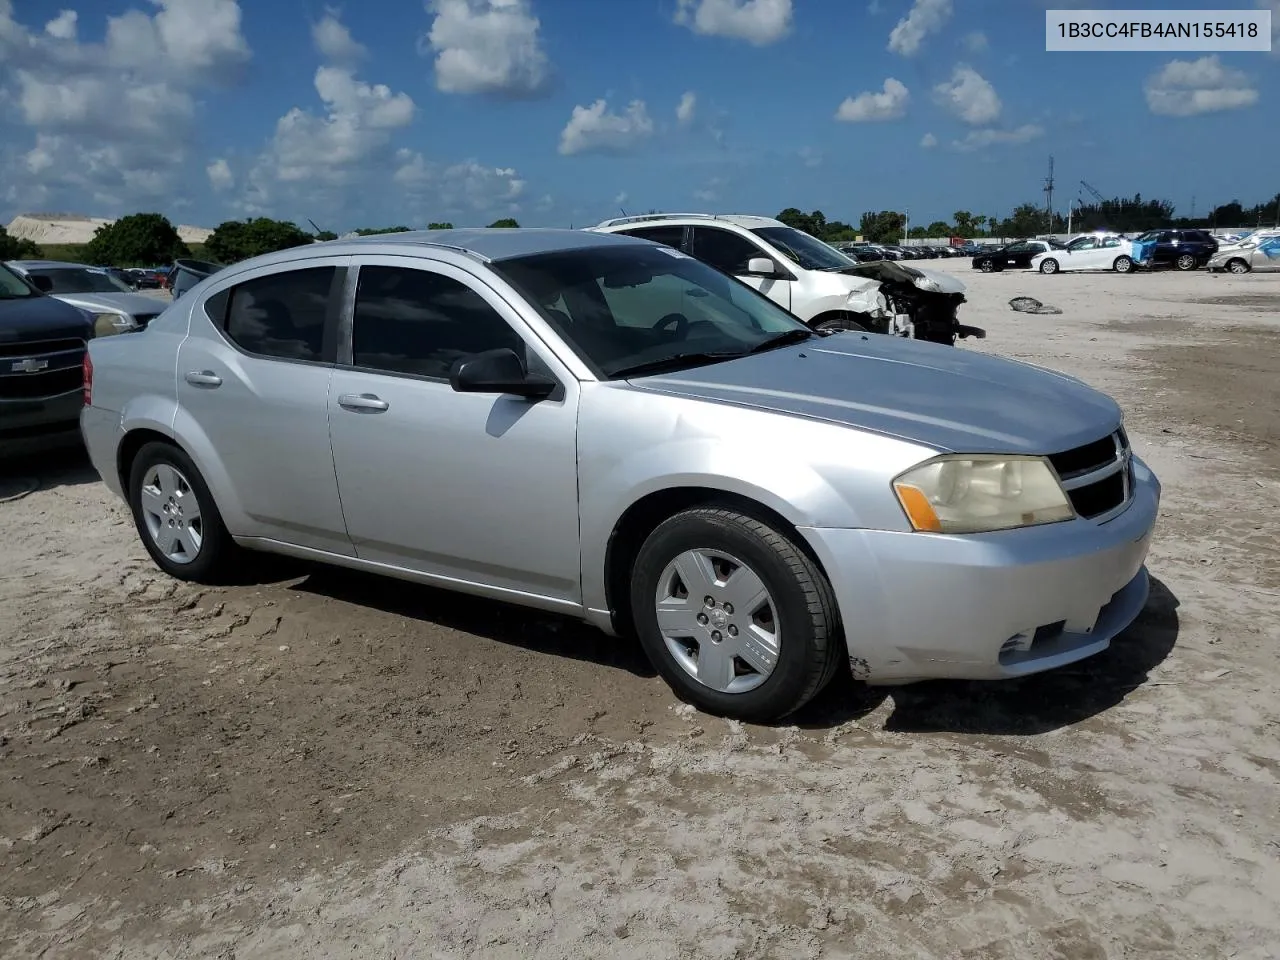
(253, 384)
(730, 252)
(463, 487)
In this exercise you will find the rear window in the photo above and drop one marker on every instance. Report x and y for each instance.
(282, 315)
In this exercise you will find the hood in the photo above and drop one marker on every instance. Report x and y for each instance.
(41, 318)
(948, 399)
(130, 303)
(888, 271)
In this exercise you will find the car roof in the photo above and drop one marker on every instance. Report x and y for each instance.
(51, 265)
(738, 219)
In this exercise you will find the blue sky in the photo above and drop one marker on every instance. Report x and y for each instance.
(560, 112)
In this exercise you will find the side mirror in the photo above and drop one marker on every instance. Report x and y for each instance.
(498, 371)
(43, 284)
(761, 267)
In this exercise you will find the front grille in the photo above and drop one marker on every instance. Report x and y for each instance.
(1098, 476)
(38, 348)
(35, 386)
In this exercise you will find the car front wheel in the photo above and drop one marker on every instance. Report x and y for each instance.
(1185, 262)
(1049, 266)
(1123, 265)
(176, 517)
(987, 266)
(734, 615)
(1237, 266)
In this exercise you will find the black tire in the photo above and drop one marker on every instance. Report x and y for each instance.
(216, 557)
(1186, 262)
(839, 322)
(1238, 266)
(987, 266)
(1123, 265)
(1049, 266)
(812, 646)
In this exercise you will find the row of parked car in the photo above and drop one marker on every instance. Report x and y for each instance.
(1178, 249)
(865, 252)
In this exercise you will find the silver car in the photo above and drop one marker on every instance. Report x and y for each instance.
(1256, 253)
(604, 427)
(113, 304)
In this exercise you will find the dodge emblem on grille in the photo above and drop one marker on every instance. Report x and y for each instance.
(29, 365)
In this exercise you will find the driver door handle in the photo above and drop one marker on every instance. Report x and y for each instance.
(362, 402)
(203, 378)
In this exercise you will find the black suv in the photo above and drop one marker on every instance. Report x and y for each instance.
(1184, 249)
(42, 351)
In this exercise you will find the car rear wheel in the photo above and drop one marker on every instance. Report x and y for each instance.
(1185, 262)
(987, 266)
(176, 517)
(734, 615)
(1123, 265)
(1237, 266)
(1049, 266)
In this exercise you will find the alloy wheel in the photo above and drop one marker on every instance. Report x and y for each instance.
(718, 620)
(171, 513)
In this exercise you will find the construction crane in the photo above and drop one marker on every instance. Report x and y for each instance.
(1096, 195)
(1048, 196)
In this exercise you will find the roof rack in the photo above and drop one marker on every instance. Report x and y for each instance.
(640, 218)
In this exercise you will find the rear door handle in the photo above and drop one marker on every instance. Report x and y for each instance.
(362, 402)
(203, 378)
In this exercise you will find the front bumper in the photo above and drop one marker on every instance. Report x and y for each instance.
(918, 606)
(40, 423)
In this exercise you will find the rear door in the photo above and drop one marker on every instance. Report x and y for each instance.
(253, 384)
(730, 252)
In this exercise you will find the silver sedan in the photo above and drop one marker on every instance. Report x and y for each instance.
(604, 427)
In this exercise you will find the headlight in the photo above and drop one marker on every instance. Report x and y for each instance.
(979, 494)
(105, 324)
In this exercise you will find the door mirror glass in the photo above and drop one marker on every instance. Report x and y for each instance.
(761, 267)
(498, 371)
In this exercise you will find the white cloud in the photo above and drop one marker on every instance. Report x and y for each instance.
(710, 191)
(621, 198)
(487, 47)
(925, 17)
(978, 139)
(433, 191)
(975, 41)
(928, 141)
(688, 108)
(810, 157)
(759, 22)
(63, 26)
(1184, 88)
(220, 176)
(889, 104)
(596, 129)
(334, 41)
(969, 96)
(110, 120)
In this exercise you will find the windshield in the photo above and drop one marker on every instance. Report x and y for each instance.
(12, 286)
(809, 252)
(643, 306)
(81, 280)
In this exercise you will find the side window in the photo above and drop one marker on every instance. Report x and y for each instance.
(1022, 247)
(1084, 243)
(725, 251)
(1111, 242)
(671, 236)
(417, 322)
(281, 315)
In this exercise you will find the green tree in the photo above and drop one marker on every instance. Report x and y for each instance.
(326, 235)
(13, 248)
(139, 239)
(235, 240)
(918, 233)
(938, 229)
(966, 223)
(975, 226)
(1027, 220)
(378, 231)
(883, 227)
(505, 222)
(440, 226)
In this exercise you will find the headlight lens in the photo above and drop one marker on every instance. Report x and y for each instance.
(105, 324)
(979, 494)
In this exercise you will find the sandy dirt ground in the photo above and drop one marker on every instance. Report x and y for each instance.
(318, 764)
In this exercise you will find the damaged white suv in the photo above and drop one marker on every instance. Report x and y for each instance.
(815, 282)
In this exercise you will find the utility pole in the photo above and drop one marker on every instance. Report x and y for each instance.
(1048, 196)
(906, 225)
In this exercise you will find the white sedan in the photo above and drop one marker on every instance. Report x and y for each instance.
(1093, 252)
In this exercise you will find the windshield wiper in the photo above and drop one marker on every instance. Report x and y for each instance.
(782, 339)
(677, 362)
